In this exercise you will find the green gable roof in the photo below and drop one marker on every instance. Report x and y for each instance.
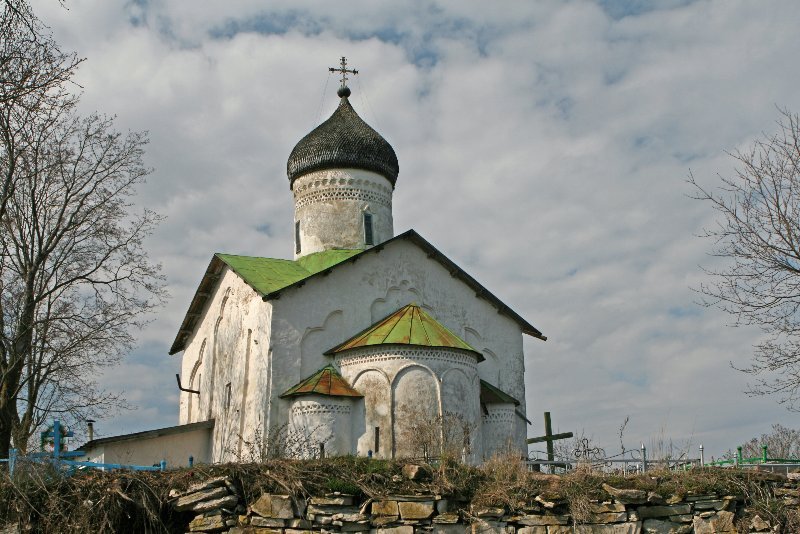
(267, 275)
(410, 325)
(327, 381)
(271, 277)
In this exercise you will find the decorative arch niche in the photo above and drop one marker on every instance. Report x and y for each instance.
(416, 407)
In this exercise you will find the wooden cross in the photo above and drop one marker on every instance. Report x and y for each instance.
(549, 437)
(344, 70)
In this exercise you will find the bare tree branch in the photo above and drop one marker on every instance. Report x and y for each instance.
(74, 276)
(758, 231)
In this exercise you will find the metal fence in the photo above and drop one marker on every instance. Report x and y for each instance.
(636, 461)
(63, 460)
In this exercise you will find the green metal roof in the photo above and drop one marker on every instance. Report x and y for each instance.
(410, 325)
(327, 381)
(493, 395)
(271, 277)
(267, 275)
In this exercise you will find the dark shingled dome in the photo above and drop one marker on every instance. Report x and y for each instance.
(342, 141)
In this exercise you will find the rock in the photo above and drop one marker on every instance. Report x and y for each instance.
(542, 520)
(384, 520)
(654, 498)
(533, 530)
(549, 504)
(483, 526)
(758, 524)
(674, 499)
(270, 522)
(683, 518)
(710, 505)
(207, 524)
(626, 496)
(416, 510)
(439, 528)
(349, 518)
(226, 502)
(663, 511)
(488, 512)
(296, 531)
(339, 500)
(448, 518)
(276, 506)
(188, 501)
(559, 530)
(405, 529)
(332, 510)
(385, 508)
(609, 517)
(215, 482)
(303, 524)
(354, 526)
(657, 526)
(718, 523)
(617, 528)
(702, 497)
(603, 508)
(416, 472)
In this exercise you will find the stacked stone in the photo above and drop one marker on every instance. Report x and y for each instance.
(624, 511)
(274, 514)
(215, 501)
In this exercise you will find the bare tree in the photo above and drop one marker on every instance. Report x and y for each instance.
(74, 277)
(758, 231)
(33, 75)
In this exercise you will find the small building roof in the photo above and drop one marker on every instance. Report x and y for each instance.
(494, 395)
(410, 325)
(327, 381)
(148, 434)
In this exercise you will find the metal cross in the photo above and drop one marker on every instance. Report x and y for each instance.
(344, 70)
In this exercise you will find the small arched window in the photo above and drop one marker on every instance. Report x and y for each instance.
(368, 235)
(297, 237)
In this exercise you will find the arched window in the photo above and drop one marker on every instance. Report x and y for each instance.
(297, 237)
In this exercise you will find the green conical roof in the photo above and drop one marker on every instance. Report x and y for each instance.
(327, 381)
(410, 325)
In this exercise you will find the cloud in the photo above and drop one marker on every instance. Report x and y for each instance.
(543, 146)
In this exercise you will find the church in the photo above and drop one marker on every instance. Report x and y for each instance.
(365, 342)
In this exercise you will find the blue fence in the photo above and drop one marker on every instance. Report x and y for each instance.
(61, 459)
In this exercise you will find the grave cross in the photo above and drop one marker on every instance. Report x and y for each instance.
(549, 437)
(344, 70)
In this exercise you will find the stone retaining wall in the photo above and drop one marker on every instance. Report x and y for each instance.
(219, 508)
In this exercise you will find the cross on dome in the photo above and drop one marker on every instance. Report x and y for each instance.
(344, 91)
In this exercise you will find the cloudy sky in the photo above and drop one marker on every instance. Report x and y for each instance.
(543, 146)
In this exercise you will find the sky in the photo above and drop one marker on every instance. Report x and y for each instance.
(543, 146)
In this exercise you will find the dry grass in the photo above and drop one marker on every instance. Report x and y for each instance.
(41, 500)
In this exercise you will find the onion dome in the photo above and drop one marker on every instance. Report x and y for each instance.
(343, 141)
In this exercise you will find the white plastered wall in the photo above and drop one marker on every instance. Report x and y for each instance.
(227, 359)
(316, 419)
(327, 310)
(330, 206)
(405, 386)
